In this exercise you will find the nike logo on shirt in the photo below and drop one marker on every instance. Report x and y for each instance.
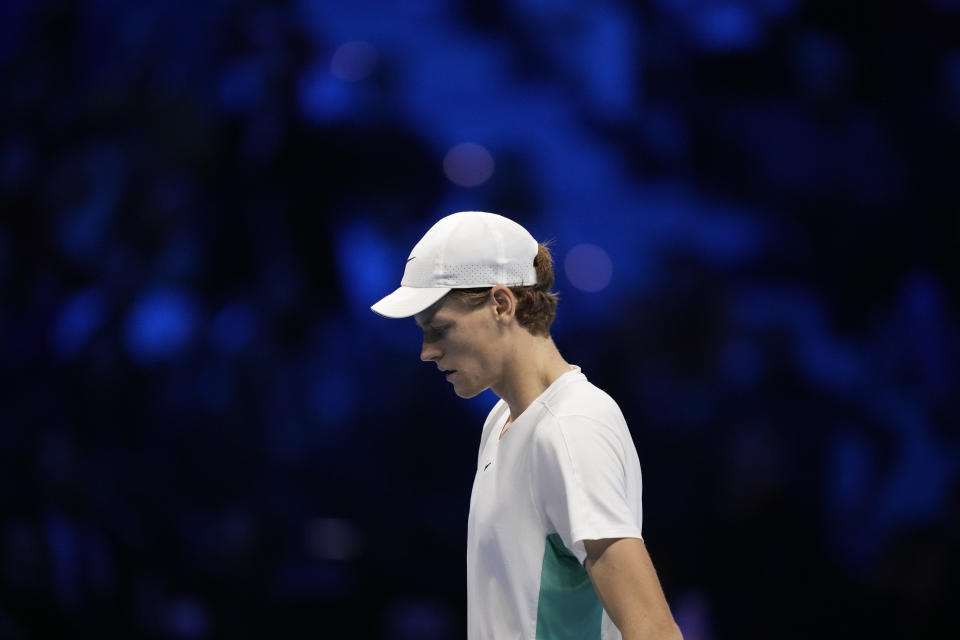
(488, 464)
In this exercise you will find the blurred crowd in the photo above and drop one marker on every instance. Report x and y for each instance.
(205, 433)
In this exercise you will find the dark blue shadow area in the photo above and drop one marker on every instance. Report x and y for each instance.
(205, 432)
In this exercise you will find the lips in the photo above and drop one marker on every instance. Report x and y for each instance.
(449, 372)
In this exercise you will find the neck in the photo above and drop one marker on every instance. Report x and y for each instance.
(532, 367)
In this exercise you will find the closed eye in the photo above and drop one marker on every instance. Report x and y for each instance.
(436, 331)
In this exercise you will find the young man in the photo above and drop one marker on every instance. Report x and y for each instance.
(554, 549)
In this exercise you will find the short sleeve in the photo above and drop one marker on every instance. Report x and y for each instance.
(580, 474)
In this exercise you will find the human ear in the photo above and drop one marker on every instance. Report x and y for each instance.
(505, 303)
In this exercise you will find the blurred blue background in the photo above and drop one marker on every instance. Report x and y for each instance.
(207, 434)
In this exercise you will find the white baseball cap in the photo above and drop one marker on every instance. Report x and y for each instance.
(465, 250)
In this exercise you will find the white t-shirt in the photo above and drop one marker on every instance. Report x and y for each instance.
(565, 471)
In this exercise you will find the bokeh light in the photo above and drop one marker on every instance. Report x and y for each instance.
(468, 164)
(588, 268)
(160, 325)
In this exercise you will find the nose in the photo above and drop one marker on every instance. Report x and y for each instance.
(429, 352)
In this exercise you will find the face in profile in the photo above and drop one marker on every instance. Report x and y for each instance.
(463, 342)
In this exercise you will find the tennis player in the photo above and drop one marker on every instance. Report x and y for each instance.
(554, 549)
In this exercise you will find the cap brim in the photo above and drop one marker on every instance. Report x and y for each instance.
(408, 301)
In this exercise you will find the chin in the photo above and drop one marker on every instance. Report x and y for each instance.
(466, 394)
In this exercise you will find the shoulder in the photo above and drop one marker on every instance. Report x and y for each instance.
(583, 401)
(581, 418)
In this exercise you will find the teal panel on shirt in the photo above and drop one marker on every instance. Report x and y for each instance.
(569, 608)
